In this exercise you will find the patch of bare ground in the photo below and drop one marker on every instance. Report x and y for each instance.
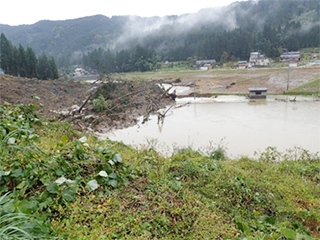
(72, 101)
(238, 81)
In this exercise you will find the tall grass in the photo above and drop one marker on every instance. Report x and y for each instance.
(19, 225)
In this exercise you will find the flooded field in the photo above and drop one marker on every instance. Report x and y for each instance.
(240, 125)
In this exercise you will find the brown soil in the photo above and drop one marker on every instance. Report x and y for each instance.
(238, 81)
(55, 95)
(61, 100)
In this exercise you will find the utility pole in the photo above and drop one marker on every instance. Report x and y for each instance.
(288, 76)
(194, 90)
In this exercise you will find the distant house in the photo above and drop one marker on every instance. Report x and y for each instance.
(293, 64)
(201, 63)
(258, 60)
(314, 55)
(206, 67)
(290, 57)
(79, 72)
(243, 65)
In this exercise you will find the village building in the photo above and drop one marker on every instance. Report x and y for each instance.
(243, 65)
(79, 72)
(258, 60)
(206, 67)
(293, 64)
(205, 64)
(314, 55)
(290, 57)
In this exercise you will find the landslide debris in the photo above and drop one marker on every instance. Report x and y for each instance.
(73, 101)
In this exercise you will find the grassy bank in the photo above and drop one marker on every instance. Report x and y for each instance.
(310, 88)
(76, 187)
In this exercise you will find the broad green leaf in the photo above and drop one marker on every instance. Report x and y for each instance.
(111, 162)
(11, 140)
(64, 139)
(69, 194)
(4, 173)
(83, 139)
(288, 233)
(117, 158)
(242, 226)
(53, 188)
(113, 183)
(61, 180)
(59, 172)
(9, 207)
(113, 175)
(70, 182)
(103, 174)
(92, 185)
(21, 185)
(46, 203)
(27, 206)
(270, 220)
(176, 185)
(17, 173)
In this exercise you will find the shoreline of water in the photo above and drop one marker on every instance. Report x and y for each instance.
(241, 125)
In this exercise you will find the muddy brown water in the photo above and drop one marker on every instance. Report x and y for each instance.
(239, 125)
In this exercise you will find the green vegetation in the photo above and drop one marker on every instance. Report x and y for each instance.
(71, 186)
(310, 88)
(20, 62)
(229, 34)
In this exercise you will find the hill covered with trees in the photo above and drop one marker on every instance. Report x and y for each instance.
(20, 62)
(232, 32)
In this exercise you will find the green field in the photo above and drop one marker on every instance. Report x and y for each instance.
(57, 183)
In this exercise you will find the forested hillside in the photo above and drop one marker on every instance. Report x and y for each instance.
(17, 61)
(232, 32)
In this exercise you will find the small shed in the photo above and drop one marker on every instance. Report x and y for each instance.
(258, 92)
(293, 64)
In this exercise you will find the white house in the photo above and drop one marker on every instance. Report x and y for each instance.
(79, 72)
(258, 60)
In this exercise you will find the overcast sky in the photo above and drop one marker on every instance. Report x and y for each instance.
(17, 12)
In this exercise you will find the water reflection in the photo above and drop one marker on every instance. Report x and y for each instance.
(245, 125)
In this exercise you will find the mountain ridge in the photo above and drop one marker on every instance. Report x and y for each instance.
(245, 20)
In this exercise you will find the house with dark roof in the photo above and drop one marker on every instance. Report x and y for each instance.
(243, 65)
(290, 57)
(201, 63)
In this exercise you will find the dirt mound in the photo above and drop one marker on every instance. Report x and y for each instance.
(54, 96)
(62, 100)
